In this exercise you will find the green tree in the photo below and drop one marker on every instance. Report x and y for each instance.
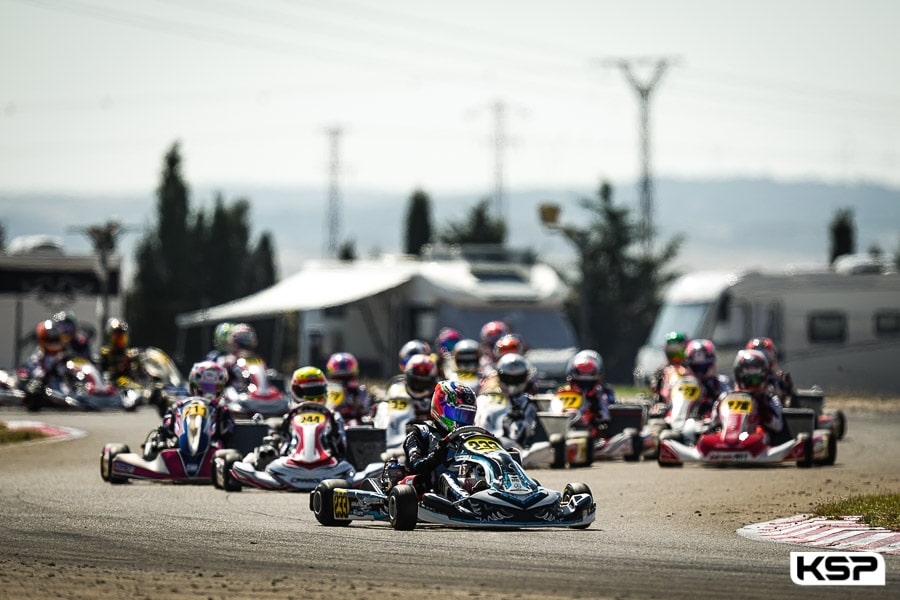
(479, 228)
(616, 300)
(418, 223)
(191, 260)
(843, 234)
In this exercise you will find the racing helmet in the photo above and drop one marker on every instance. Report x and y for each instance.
(242, 339)
(220, 336)
(700, 357)
(766, 346)
(207, 378)
(491, 332)
(510, 343)
(465, 355)
(342, 366)
(446, 340)
(309, 384)
(48, 337)
(67, 323)
(751, 370)
(117, 333)
(514, 373)
(410, 349)
(420, 375)
(452, 406)
(585, 369)
(675, 346)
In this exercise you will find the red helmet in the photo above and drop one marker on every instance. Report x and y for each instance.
(342, 366)
(585, 369)
(491, 332)
(420, 375)
(49, 337)
(701, 358)
(751, 370)
(410, 349)
(509, 344)
(766, 346)
(452, 406)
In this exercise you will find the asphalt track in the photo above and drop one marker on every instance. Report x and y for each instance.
(660, 533)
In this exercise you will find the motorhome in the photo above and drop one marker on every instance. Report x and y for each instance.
(837, 330)
(370, 307)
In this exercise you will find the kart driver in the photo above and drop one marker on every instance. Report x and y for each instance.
(308, 384)
(700, 357)
(452, 406)
(584, 374)
(343, 368)
(117, 361)
(206, 380)
(780, 381)
(675, 348)
(751, 374)
(515, 376)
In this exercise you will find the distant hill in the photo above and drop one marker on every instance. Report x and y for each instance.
(726, 224)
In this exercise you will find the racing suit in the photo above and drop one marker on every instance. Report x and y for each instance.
(425, 454)
(711, 389)
(520, 423)
(335, 440)
(41, 369)
(768, 412)
(355, 406)
(596, 417)
(118, 363)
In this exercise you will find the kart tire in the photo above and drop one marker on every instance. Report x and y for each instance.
(403, 507)
(573, 489)
(216, 478)
(637, 448)
(808, 454)
(229, 483)
(110, 451)
(840, 424)
(832, 452)
(321, 502)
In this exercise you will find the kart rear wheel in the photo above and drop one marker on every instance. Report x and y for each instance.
(229, 483)
(808, 454)
(637, 448)
(832, 451)
(110, 451)
(403, 507)
(216, 477)
(573, 489)
(321, 502)
(840, 424)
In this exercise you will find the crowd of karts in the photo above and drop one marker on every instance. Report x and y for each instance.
(280, 441)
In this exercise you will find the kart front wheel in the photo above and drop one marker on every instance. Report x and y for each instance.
(110, 451)
(228, 482)
(403, 507)
(573, 489)
(321, 502)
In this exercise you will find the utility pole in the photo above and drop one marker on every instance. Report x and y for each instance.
(643, 91)
(334, 197)
(499, 146)
(103, 238)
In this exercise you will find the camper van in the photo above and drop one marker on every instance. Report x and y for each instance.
(835, 330)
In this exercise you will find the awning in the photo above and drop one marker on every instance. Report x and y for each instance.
(318, 285)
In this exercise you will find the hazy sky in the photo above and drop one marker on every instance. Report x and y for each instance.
(93, 92)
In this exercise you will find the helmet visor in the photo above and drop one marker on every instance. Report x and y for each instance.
(459, 415)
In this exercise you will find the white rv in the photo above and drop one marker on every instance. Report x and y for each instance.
(838, 331)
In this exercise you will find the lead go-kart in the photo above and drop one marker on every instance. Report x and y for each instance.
(482, 486)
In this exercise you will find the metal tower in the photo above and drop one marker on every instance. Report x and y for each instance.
(334, 195)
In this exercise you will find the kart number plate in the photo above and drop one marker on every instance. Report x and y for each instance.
(481, 445)
(341, 504)
(306, 418)
(739, 406)
(335, 397)
(689, 391)
(496, 399)
(729, 456)
(570, 401)
(195, 409)
(398, 403)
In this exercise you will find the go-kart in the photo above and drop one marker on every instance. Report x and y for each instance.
(826, 418)
(623, 437)
(741, 441)
(79, 385)
(254, 393)
(297, 464)
(481, 485)
(158, 381)
(681, 420)
(187, 458)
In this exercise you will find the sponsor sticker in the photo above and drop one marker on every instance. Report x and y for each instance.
(837, 568)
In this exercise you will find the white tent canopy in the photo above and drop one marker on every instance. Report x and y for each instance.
(317, 285)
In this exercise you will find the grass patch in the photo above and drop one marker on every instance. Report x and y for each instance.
(882, 510)
(11, 436)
